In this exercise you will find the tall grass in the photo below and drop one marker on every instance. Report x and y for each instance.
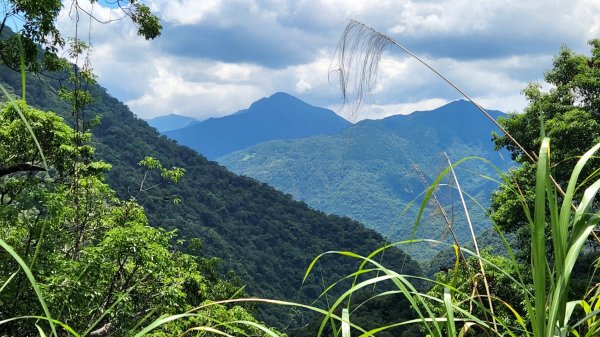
(548, 308)
(570, 227)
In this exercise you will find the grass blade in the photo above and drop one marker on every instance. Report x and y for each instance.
(345, 323)
(538, 244)
(22, 64)
(33, 282)
(40, 331)
(9, 280)
(450, 325)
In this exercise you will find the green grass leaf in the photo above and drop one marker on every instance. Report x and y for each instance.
(33, 282)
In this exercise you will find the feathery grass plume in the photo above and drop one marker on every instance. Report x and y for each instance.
(360, 48)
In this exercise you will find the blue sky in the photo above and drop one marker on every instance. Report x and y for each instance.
(216, 57)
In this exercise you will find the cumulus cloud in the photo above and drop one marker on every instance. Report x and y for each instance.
(187, 12)
(199, 99)
(218, 56)
(206, 88)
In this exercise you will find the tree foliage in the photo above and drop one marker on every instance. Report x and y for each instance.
(262, 235)
(99, 263)
(101, 267)
(570, 115)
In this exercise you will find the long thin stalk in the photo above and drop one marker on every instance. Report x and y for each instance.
(474, 239)
(438, 204)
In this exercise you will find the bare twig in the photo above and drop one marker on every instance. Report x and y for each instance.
(24, 167)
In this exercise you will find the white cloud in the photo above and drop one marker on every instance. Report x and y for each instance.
(204, 88)
(303, 86)
(312, 76)
(186, 12)
(233, 72)
(503, 45)
(422, 18)
(506, 103)
(169, 93)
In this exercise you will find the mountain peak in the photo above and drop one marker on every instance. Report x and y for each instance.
(282, 95)
(449, 111)
(457, 119)
(461, 103)
(279, 116)
(280, 101)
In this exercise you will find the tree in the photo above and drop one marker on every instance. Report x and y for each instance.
(100, 266)
(570, 115)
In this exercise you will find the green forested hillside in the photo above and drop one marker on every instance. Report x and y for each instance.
(262, 235)
(373, 170)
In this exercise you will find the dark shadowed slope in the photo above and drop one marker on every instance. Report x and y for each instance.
(261, 234)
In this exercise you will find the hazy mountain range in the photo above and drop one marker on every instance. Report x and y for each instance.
(370, 171)
(171, 122)
(280, 116)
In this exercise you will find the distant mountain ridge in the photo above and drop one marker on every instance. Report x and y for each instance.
(459, 119)
(374, 169)
(280, 116)
(171, 122)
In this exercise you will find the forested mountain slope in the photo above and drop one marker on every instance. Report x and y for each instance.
(374, 169)
(261, 234)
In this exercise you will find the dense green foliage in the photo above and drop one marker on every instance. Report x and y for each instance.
(73, 253)
(556, 272)
(370, 312)
(99, 265)
(98, 262)
(570, 113)
(466, 280)
(541, 297)
(489, 241)
(35, 22)
(108, 262)
(373, 170)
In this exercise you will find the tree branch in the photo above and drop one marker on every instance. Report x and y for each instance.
(23, 167)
